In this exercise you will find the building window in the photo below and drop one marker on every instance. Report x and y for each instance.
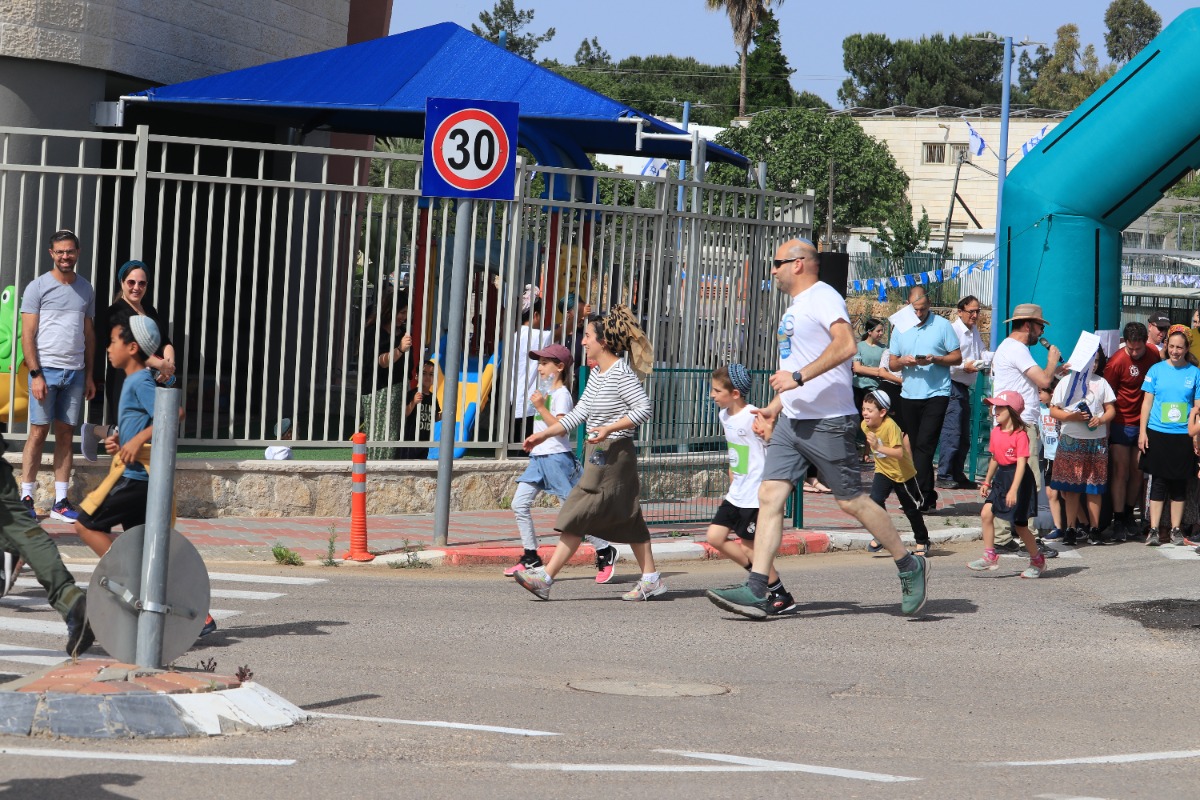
(935, 153)
(958, 151)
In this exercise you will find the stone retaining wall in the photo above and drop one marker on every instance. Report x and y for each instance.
(230, 488)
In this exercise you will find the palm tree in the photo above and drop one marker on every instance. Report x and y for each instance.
(743, 18)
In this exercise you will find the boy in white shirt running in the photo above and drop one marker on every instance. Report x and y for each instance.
(738, 512)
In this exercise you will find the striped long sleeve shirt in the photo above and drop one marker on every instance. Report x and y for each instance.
(609, 396)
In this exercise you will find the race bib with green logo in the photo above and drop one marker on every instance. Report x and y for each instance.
(1173, 413)
(739, 458)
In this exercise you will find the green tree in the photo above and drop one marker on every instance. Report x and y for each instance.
(744, 16)
(930, 71)
(1028, 70)
(1070, 75)
(1131, 25)
(767, 70)
(505, 17)
(899, 235)
(797, 143)
(591, 55)
(659, 84)
(807, 99)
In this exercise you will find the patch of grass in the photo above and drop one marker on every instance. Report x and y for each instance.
(329, 560)
(411, 559)
(506, 503)
(285, 556)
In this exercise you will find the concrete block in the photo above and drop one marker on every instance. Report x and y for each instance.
(284, 706)
(212, 714)
(63, 46)
(254, 705)
(18, 11)
(17, 711)
(78, 717)
(149, 716)
(19, 41)
(64, 14)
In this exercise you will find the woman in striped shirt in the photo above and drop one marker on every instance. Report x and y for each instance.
(605, 502)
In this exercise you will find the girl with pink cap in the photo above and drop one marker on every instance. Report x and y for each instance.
(1008, 490)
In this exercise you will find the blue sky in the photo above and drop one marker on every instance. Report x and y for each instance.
(811, 32)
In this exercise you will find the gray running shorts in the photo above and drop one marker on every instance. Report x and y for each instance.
(828, 444)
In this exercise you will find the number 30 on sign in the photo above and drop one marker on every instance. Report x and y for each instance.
(470, 149)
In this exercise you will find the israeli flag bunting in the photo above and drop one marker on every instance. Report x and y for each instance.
(655, 167)
(940, 275)
(978, 145)
(1033, 140)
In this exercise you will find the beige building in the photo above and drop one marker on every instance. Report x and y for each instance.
(927, 144)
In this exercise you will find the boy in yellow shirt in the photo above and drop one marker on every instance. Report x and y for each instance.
(894, 469)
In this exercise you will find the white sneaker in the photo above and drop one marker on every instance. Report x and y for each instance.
(644, 590)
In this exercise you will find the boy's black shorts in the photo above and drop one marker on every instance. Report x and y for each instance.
(742, 521)
(124, 506)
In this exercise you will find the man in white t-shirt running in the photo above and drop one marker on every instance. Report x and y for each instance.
(817, 426)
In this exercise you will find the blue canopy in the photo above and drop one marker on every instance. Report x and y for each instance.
(380, 87)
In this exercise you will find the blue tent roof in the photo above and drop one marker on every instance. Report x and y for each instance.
(380, 87)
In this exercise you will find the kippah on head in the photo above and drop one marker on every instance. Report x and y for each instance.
(739, 376)
(802, 240)
(881, 399)
(145, 333)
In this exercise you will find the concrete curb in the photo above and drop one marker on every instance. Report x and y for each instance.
(797, 543)
(103, 699)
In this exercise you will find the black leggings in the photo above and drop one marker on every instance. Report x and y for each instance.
(1167, 489)
(910, 498)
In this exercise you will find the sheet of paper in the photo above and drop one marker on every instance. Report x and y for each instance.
(1085, 348)
(1110, 341)
(904, 319)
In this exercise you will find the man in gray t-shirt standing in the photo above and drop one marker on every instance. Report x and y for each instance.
(57, 310)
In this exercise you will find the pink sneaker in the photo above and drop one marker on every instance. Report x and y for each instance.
(606, 559)
(529, 560)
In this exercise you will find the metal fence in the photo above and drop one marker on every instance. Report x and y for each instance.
(271, 261)
(972, 280)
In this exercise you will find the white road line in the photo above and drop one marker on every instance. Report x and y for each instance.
(434, 724)
(88, 755)
(732, 764)
(236, 577)
(229, 594)
(1178, 553)
(36, 655)
(59, 628)
(1064, 797)
(1128, 758)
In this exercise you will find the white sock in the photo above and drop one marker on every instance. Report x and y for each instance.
(60, 490)
(650, 577)
(27, 489)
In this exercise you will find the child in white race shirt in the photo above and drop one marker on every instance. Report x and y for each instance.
(552, 465)
(738, 512)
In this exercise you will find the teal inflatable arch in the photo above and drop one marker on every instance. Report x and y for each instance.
(1067, 201)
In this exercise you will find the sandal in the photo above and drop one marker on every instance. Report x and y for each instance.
(922, 549)
(874, 546)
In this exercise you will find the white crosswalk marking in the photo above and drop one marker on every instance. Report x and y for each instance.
(26, 613)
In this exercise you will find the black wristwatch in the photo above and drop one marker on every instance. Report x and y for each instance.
(798, 378)
(35, 373)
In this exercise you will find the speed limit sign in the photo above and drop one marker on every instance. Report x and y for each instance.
(470, 149)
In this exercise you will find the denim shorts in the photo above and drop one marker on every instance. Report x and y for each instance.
(64, 397)
(554, 473)
(1123, 435)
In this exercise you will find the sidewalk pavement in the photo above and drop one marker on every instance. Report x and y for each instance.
(490, 537)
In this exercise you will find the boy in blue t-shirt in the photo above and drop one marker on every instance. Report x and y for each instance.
(125, 502)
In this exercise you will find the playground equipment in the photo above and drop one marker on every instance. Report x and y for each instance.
(10, 357)
(474, 389)
(1067, 201)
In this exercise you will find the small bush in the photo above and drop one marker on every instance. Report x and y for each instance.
(285, 556)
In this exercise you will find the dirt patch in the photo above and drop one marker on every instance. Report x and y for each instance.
(1170, 614)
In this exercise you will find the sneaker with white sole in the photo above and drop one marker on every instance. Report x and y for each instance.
(529, 560)
(536, 582)
(12, 566)
(62, 510)
(606, 559)
(985, 564)
(1036, 568)
(644, 590)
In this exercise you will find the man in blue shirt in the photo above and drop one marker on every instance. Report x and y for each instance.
(924, 354)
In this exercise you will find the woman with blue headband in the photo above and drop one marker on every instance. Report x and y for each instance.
(133, 280)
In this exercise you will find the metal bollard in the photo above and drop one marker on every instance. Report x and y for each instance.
(358, 502)
(156, 544)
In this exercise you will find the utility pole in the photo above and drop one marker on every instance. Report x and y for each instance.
(829, 211)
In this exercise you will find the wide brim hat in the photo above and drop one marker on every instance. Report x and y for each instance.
(1028, 311)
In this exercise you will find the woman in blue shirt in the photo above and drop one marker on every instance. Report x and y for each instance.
(1172, 390)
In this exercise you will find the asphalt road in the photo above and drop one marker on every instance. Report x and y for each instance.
(845, 698)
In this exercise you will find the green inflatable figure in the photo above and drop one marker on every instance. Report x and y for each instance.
(12, 361)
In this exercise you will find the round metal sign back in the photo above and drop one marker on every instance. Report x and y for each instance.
(116, 585)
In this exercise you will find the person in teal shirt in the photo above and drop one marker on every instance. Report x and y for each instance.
(924, 354)
(1172, 390)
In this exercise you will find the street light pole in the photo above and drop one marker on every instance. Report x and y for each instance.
(1005, 99)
